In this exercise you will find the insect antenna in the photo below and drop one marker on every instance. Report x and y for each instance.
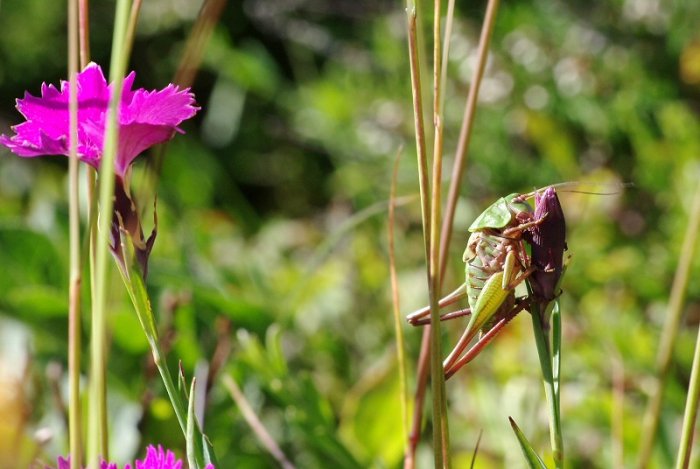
(568, 187)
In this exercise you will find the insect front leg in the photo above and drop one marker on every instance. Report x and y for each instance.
(524, 226)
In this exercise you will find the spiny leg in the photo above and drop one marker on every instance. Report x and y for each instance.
(452, 363)
(445, 317)
(416, 317)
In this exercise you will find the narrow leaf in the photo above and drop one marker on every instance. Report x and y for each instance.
(533, 460)
(182, 381)
(191, 432)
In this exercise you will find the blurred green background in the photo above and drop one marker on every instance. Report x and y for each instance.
(273, 229)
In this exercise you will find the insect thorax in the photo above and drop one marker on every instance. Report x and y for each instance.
(485, 256)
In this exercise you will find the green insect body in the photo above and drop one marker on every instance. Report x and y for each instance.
(496, 260)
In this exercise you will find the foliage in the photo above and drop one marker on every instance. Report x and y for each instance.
(272, 226)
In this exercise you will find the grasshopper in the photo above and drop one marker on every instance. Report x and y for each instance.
(496, 261)
(508, 244)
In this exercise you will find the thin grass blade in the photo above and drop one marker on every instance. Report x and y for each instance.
(533, 460)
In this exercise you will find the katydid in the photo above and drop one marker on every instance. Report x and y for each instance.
(495, 233)
(496, 261)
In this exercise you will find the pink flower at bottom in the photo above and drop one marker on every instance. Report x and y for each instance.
(156, 458)
(146, 118)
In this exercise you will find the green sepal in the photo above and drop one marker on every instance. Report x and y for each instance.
(533, 460)
(135, 287)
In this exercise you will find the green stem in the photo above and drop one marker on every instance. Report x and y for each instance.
(691, 406)
(691, 411)
(670, 332)
(84, 31)
(74, 345)
(435, 356)
(142, 304)
(98, 447)
(550, 386)
(437, 372)
(131, 26)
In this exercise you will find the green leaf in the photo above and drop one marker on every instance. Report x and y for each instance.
(533, 460)
(199, 449)
(192, 458)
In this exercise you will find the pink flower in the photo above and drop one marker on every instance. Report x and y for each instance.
(146, 118)
(156, 458)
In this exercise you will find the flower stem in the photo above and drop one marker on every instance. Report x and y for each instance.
(74, 346)
(98, 390)
(133, 281)
(550, 377)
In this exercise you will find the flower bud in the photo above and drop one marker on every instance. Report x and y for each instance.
(548, 241)
(127, 222)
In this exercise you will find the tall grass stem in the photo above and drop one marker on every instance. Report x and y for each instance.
(436, 367)
(691, 406)
(691, 411)
(131, 27)
(98, 447)
(75, 275)
(438, 375)
(84, 32)
(673, 315)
